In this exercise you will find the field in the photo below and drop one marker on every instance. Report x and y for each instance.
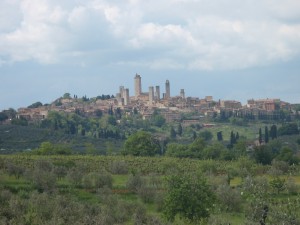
(130, 190)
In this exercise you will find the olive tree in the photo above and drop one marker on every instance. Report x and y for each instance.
(189, 197)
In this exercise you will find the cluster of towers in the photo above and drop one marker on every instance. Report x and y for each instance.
(153, 95)
(123, 96)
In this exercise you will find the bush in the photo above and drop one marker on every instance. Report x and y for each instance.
(103, 180)
(75, 176)
(14, 170)
(188, 196)
(229, 198)
(119, 167)
(146, 193)
(134, 182)
(43, 181)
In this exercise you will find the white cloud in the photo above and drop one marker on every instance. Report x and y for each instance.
(195, 34)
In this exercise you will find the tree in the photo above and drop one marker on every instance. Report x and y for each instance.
(196, 148)
(232, 138)
(176, 150)
(213, 151)
(3, 116)
(172, 133)
(266, 135)
(35, 105)
(220, 136)
(286, 154)
(237, 136)
(206, 135)
(188, 196)
(288, 129)
(67, 96)
(141, 144)
(194, 135)
(260, 136)
(263, 154)
(273, 132)
(179, 130)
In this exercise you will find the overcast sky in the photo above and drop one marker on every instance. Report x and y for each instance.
(230, 49)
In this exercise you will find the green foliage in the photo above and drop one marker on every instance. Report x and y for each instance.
(288, 129)
(273, 132)
(219, 136)
(287, 155)
(35, 105)
(47, 148)
(158, 120)
(193, 150)
(213, 151)
(172, 133)
(206, 135)
(179, 129)
(3, 116)
(141, 144)
(229, 198)
(176, 150)
(196, 147)
(189, 196)
(67, 96)
(260, 136)
(19, 121)
(263, 154)
(278, 184)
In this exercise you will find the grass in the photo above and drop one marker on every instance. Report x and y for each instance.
(250, 132)
(85, 196)
(119, 181)
(15, 185)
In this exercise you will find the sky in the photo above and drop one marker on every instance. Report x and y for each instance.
(228, 49)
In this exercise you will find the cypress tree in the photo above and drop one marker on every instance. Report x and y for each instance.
(220, 136)
(273, 132)
(266, 134)
(260, 136)
(172, 133)
(237, 136)
(232, 138)
(179, 130)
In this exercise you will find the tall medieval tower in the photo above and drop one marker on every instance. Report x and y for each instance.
(137, 85)
(168, 95)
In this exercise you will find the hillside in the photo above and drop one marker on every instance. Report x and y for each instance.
(15, 138)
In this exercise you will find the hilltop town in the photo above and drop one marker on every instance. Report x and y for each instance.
(170, 107)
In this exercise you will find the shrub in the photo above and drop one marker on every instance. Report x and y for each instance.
(188, 196)
(119, 167)
(229, 198)
(103, 180)
(134, 182)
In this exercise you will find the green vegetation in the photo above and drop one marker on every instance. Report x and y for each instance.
(115, 167)
(146, 190)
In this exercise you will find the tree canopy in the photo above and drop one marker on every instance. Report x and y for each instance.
(188, 196)
(141, 144)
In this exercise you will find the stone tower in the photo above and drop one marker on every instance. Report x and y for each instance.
(168, 95)
(121, 91)
(157, 93)
(182, 94)
(126, 96)
(137, 85)
(151, 95)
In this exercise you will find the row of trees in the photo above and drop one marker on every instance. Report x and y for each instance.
(144, 144)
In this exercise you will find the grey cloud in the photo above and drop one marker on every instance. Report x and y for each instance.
(199, 34)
